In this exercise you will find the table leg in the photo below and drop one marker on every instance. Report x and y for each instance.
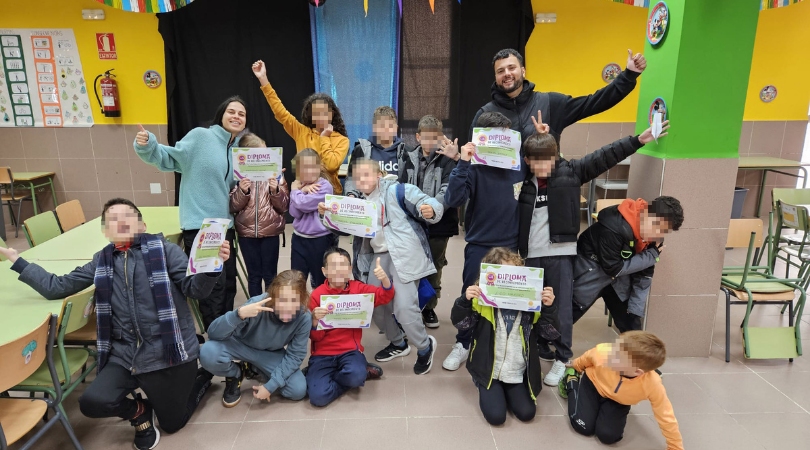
(804, 178)
(53, 192)
(2, 224)
(33, 197)
(761, 192)
(591, 190)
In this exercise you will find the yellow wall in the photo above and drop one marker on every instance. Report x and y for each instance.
(568, 56)
(781, 58)
(138, 43)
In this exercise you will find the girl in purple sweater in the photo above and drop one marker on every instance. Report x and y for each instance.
(310, 238)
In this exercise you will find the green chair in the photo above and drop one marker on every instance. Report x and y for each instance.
(76, 312)
(19, 415)
(41, 228)
(194, 305)
(792, 197)
(3, 244)
(754, 285)
(241, 265)
(793, 217)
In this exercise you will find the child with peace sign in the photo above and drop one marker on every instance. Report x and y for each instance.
(337, 363)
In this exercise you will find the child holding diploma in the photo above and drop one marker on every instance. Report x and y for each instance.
(504, 364)
(402, 247)
(310, 238)
(337, 363)
(260, 208)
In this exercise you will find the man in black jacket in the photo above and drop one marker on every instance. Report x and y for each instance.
(515, 98)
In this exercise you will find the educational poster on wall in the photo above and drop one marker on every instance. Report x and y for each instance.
(42, 83)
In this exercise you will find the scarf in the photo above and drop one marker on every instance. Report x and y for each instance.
(154, 258)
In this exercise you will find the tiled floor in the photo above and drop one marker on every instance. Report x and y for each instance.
(741, 405)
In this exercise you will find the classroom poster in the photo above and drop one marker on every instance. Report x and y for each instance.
(346, 311)
(511, 287)
(41, 79)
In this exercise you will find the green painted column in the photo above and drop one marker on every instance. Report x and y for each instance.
(700, 70)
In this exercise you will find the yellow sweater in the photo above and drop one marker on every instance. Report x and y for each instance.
(333, 149)
(630, 391)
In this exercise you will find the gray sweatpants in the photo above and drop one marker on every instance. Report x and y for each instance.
(405, 307)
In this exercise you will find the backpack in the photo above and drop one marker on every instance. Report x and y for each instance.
(425, 290)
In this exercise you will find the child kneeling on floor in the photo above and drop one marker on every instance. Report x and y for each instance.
(507, 376)
(270, 333)
(337, 363)
(602, 384)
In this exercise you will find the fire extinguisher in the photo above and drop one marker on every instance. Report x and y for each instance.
(109, 103)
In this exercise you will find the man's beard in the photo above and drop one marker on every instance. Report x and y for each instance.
(517, 85)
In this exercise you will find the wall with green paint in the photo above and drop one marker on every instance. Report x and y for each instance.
(701, 70)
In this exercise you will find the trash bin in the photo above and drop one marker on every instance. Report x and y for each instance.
(739, 201)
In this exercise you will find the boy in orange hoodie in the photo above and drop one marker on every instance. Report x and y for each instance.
(602, 384)
(337, 363)
(616, 257)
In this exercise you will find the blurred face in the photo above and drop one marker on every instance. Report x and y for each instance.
(385, 129)
(287, 304)
(653, 228)
(338, 270)
(541, 168)
(429, 140)
(310, 170)
(620, 361)
(121, 224)
(366, 177)
(234, 118)
(321, 114)
(509, 74)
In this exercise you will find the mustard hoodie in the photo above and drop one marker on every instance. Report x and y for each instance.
(630, 391)
(332, 149)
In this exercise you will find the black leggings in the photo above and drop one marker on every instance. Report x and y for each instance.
(172, 392)
(618, 310)
(501, 397)
(590, 413)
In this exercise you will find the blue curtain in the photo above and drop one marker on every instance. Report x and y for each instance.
(356, 58)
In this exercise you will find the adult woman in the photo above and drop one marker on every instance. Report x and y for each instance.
(203, 156)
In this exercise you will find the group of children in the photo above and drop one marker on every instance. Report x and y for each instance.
(513, 217)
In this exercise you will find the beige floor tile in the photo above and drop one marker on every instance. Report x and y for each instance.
(378, 398)
(434, 396)
(379, 434)
(294, 434)
(714, 431)
(744, 393)
(777, 431)
(450, 432)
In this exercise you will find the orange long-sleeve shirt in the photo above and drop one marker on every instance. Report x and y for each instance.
(630, 391)
(332, 149)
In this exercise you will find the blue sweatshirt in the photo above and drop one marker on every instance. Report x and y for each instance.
(268, 332)
(387, 157)
(203, 156)
(492, 213)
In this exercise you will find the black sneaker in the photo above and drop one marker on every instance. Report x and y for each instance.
(546, 353)
(659, 373)
(147, 435)
(425, 362)
(373, 371)
(430, 318)
(392, 351)
(233, 390)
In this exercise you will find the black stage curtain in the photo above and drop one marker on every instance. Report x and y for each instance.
(480, 29)
(210, 46)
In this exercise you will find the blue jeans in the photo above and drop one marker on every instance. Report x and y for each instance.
(261, 261)
(217, 357)
(328, 377)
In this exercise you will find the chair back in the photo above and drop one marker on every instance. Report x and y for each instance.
(70, 215)
(41, 228)
(6, 176)
(2, 244)
(603, 203)
(789, 195)
(23, 356)
(792, 216)
(81, 310)
(739, 233)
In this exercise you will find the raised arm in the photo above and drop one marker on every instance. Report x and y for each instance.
(291, 125)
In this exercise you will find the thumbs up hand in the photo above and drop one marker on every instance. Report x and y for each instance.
(381, 275)
(142, 138)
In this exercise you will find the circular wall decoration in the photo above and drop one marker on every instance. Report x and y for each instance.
(658, 105)
(610, 72)
(657, 23)
(768, 93)
(152, 79)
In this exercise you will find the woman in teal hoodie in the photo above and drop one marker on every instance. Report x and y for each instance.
(203, 156)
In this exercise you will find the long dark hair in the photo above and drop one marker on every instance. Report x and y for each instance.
(306, 114)
(224, 106)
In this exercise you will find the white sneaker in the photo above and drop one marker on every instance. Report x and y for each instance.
(554, 375)
(457, 356)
